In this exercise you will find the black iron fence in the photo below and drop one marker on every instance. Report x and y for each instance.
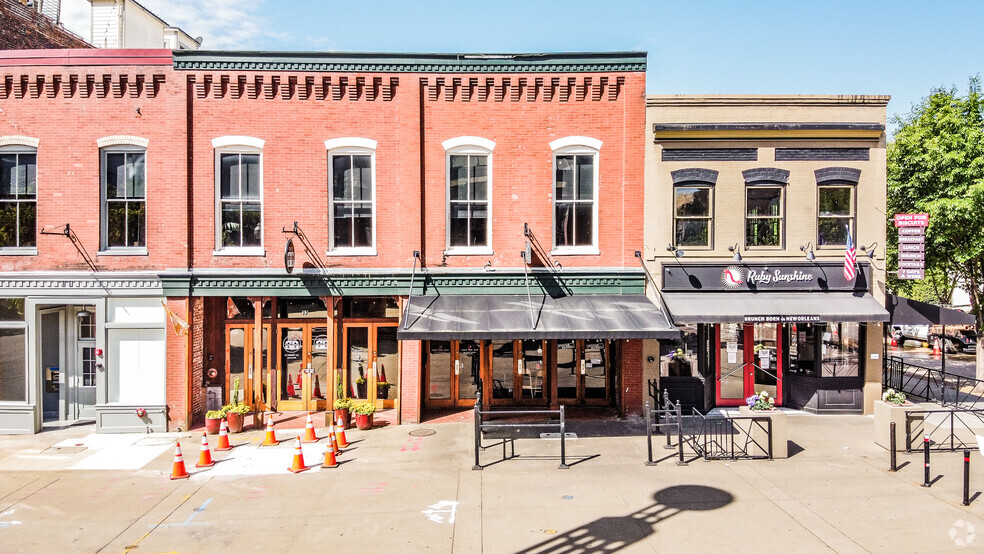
(948, 430)
(482, 427)
(667, 420)
(933, 385)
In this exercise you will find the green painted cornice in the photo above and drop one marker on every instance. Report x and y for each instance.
(573, 62)
(388, 283)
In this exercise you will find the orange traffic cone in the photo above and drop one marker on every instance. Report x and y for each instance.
(317, 389)
(309, 434)
(178, 471)
(894, 342)
(334, 440)
(271, 435)
(298, 465)
(205, 457)
(340, 434)
(290, 388)
(936, 347)
(330, 460)
(223, 444)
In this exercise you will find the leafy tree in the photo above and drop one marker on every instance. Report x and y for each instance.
(936, 166)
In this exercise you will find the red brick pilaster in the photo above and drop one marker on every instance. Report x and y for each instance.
(410, 375)
(177, 369)
(631, 392)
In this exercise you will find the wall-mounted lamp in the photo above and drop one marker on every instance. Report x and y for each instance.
(870, 250)
(808, 249)
(675, 250)
(557, 264)
(737, 252)
(487, 266)
(83, 313)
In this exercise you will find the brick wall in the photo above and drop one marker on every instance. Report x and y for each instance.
(196, 377)
(410, 381)
(632, 382)
(177, 369)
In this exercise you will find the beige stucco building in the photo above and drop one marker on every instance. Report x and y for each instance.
(750, 205)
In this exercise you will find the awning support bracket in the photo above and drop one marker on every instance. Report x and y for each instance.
(413, 273)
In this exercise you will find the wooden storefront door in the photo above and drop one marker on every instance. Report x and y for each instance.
(302, 377)
(749, 361)
(453, 373)
(371, 357)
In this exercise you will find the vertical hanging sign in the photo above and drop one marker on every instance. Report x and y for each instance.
(912, 245)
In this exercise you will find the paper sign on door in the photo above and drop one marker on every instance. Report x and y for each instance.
(732, 357)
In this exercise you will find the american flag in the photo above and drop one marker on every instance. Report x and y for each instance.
(850, 259)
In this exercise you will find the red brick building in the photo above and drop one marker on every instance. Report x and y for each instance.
(457, 224)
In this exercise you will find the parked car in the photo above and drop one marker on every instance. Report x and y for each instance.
(914, 333)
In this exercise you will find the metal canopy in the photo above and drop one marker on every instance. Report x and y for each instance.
(905, 311)
(729, 307)
(455, 317)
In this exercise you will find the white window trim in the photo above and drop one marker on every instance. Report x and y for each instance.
(22, 145)
(463, 146)
(710, 217)
(576, 146)
(122, 140)
(104, 249)
(236, 145)
(781, 218)
(358, 147)
(852, 219)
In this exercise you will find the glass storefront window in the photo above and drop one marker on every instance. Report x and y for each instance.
(370, 307)
(11, 309)
(13, 364)
(840, 349)
(678, 358)
(242, 308)
(502, 368)
(304, 307)
(802, 349)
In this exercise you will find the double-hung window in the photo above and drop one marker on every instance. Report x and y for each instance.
(835, 214)
(18, 198)
(575, 195)
(124, 195)
(239, 195)
(763, 215)
(352, 195)
(692, 214)
(469, 195)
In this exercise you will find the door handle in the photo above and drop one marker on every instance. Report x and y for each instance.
(457, 367)
(583, 368)
(519, 367)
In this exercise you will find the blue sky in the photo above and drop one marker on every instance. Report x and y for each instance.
(902, 48)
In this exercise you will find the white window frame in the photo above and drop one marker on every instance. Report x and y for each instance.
(236, 145)
(781, 217)
(851, 219)
(575, 146)
(22, 325)
(23, 146)
(120, 148)
(350, 146)
(467, 146)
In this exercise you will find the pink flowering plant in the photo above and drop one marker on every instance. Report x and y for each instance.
(761, 401)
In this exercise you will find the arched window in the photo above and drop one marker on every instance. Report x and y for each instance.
(469, 195)
(238, 195)
(351, 195)
(575, 195)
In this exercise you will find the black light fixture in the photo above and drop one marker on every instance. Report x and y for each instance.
(808, 249)
(737, 251)
(83, 313)
(677, 252)
(870, 250)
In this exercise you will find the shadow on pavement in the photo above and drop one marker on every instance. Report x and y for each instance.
(611, 534)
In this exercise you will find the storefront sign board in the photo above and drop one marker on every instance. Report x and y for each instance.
(782, 319)
(911, 220)
(911, 231)
(912, 255)
(912, 274)
(912, 239)
(912, 264)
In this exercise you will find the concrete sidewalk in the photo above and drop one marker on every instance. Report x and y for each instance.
(401, 492)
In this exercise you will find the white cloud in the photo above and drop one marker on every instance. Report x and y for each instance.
(76, 17)
(224, 24)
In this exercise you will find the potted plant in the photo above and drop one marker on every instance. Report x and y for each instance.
(761, 402)
(382, 389)
(236, 415)
(360, 384)
(213, 418)
(679, 366)
(363, 414)
(763, 405)
(341, 407)
(894, 408)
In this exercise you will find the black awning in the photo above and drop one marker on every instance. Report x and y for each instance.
(905, 311)
(730, 307)
(455, 317)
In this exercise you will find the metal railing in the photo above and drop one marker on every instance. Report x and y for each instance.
(948, 430)
(481, 427)
(672, 419)
(732, 438)
(933, 385)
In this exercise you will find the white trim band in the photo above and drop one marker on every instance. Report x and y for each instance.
(575, 141)
(238, 140)
(117, 140)
(19, 140)
(468, 141)
(350, 142)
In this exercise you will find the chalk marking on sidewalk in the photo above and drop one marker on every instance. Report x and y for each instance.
(435, 511)
(191, 516)
(5, 524)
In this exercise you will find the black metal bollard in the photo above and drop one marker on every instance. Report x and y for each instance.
(563, 444)
(926, 461)
(891, 446)
(649, 435)
(478, 431)
(966, 491)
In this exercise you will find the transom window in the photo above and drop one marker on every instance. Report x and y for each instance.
(124, 194)
(574, 200)
(18, 198)
(468, 200)
(692, 214)
(351, 200)
(835, 214)
(763, 215)
(240, 200)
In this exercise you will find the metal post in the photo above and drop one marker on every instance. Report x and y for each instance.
(770, 438)
(478, 430)
(679, 424)
(966, 491)
(926, 482)
(563, 443)
(891, 446)
(649, 435)
(908, 433)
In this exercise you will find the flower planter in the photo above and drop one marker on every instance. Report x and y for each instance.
(345, 416)
(363, 421)
(382, 392)
(780, 448)
(235, 422)
(212, 425)
(360, 389)
(887, 413)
